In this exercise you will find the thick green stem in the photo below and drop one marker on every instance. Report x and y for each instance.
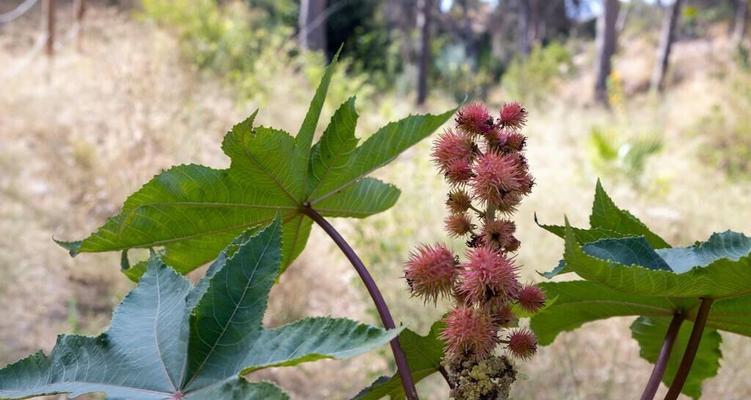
(662, 360)
(691, 348)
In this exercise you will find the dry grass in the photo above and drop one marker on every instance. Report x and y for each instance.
(81, 132)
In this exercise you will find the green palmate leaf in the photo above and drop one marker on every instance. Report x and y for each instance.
(424, 355)
(649, 332)
(730, 245)
(578, 302)
(366, 197)
(169, 340)
(627, 251)
(606, 221)
(732, 315)
(606, 215)
(380, 149)
(722, 277)
(630, 271)
(337, 143)
(191, 212)
(582, 235)
(628, 277)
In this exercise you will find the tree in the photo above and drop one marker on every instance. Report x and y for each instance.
(312, 24)
(666, 42)
(606, 43)
(525, 13)
(741, 14)
(423, 70)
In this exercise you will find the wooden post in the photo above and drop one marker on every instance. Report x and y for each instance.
(79, 9)
(49, 10)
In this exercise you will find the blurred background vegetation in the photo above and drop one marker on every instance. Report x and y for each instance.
(652, 96)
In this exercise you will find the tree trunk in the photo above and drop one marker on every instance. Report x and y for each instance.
(423, 22)
(525, 16)
(79, 9)
(400, 17)
(741, 14)
(49, 9)
(620, 25)
(666, 42)
(312, 24)
(606, 43)
(537, 24)
(467, 34)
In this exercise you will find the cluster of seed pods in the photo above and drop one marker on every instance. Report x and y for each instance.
(482, 158)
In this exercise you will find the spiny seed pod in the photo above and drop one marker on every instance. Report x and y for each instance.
(531, 298)
(513, 115)
(458, 224)
(486, 155)
(522, 344)
(511, 140)
(458, 172)
(458, 201)
(502, 314)
(475, 119)
(512, 244)
(450, 146)
(526, 181)
(498, 233)
(498, 179)
(469, 334)
(488, 275)
(431, 271)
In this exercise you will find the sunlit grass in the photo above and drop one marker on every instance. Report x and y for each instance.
(79, 134)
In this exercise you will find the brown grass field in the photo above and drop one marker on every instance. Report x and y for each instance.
(81, 131)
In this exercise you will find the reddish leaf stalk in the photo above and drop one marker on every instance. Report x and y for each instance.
(662, 360)
(691, 348)
(383, 310)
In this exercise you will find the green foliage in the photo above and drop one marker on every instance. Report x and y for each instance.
(171, 340)
(250, 46)
(613, 155)
(280, 12)
(347, 78)
(606, 221)
(649, 332)
(460, 74)
(725, 131)
(424, 355)
(630, 271)
(534, 78)
(191, 212)
(232, 40)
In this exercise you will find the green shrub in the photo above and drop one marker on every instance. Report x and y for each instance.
(533, 78)
(726, 131)
(613, 155)
(232, 40)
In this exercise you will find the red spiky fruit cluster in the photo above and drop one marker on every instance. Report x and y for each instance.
(483, 160)
(431, 271)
